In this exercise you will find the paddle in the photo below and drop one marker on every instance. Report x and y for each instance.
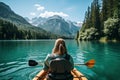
(89, 63)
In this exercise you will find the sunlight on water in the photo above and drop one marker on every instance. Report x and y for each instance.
(15, 55)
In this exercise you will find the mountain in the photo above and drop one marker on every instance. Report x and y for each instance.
(18, 26)
(56, 25)
(73, 27)
(36, 21)
(7, 13)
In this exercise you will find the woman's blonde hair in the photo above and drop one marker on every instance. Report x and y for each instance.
(59, 47)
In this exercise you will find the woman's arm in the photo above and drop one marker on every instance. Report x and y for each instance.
(72, 62)
(43, 72)
(40, 75)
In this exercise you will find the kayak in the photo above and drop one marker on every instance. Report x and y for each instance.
(77, 75)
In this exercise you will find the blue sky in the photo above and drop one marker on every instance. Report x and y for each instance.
(73, 10)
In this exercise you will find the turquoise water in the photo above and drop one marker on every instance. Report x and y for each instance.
(14, 56)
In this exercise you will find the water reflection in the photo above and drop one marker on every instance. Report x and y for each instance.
(15, 54)
(106, 56)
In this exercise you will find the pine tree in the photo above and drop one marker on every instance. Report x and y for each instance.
(97, 15)
(104, 11)
(87, 20)
(104, 22)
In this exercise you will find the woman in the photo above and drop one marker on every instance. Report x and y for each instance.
(57, 65)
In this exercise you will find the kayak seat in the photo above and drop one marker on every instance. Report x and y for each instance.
(60, 69)
(60, 65)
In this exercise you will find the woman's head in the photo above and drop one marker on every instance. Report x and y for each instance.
(59, 47)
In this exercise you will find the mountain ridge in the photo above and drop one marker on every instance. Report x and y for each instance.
(10, 20)
(56, 24)
(7, 13)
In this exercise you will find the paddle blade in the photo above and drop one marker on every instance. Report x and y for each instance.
(32, 63)
(90, 63)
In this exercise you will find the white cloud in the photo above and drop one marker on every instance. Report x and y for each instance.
(70, 9)
(32, 14)
(47, 14)
(39, 7)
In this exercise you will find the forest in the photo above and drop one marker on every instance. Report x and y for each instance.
(101, 22)
(11, 31)
(14, 27)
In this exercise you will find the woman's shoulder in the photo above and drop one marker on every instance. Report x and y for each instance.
(68, 55)
(49, 56)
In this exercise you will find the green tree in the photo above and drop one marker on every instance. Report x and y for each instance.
(111, 29)
(86, 23)
(77, 36)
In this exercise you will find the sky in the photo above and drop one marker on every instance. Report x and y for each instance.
(73, 10)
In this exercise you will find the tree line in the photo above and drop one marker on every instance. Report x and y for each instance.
(101, 21)
(9, 30)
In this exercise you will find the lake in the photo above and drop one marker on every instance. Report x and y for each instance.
(14, 56)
